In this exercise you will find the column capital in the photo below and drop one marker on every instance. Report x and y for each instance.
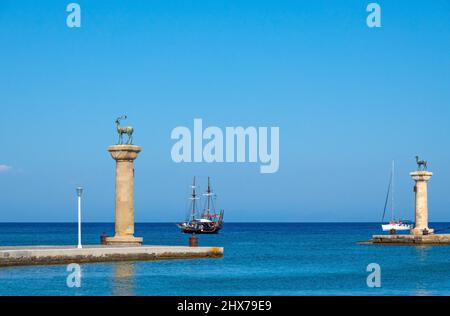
(421, 175)
(124, 152)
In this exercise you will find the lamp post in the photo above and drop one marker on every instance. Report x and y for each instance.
(79, 191)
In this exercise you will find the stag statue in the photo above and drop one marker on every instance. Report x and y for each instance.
(124, 130)
(421, 164)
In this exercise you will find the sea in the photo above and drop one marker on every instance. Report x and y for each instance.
(259, 259)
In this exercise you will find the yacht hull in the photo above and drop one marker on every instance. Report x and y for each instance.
(389, 227)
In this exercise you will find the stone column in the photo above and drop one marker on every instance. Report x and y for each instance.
(421, 178)
(124, 156)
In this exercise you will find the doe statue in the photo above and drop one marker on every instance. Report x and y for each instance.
(124, 130)
(421, 164)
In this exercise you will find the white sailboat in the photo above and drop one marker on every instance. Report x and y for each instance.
(393, 224)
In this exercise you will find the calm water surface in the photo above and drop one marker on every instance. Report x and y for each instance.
(260, 259)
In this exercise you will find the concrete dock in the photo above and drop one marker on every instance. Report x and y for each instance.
(432, 239)
(45, 255)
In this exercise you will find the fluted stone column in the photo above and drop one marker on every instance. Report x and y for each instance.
(124, 155)
(421, 178)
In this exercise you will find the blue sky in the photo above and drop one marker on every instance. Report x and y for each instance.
(348, 99)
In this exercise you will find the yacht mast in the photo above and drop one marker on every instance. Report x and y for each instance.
(389, 192)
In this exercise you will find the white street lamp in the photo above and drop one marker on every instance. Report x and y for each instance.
(79, 191)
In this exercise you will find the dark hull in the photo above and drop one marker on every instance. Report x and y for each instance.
(197, 230)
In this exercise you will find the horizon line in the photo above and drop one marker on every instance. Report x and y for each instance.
(231, 222)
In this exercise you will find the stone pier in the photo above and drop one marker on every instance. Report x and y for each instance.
(421, 218)
(124, 155)
(421, 234)
(44, 255)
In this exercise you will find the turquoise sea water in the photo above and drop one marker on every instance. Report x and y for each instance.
(260, 259)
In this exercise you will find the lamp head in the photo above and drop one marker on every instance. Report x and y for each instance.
(79, 191)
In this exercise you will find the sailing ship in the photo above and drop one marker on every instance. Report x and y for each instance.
(209, 221)
(393, 224)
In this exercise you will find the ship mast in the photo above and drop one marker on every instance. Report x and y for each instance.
(209, 195)
(193, 198)
(208, 192)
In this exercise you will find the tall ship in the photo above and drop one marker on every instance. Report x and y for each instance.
(393, 224)
(209, 220)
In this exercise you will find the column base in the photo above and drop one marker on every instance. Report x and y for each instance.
(419, 231)
(124, 241)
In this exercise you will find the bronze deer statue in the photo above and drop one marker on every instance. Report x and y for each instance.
(421, 164)
(124, 130)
